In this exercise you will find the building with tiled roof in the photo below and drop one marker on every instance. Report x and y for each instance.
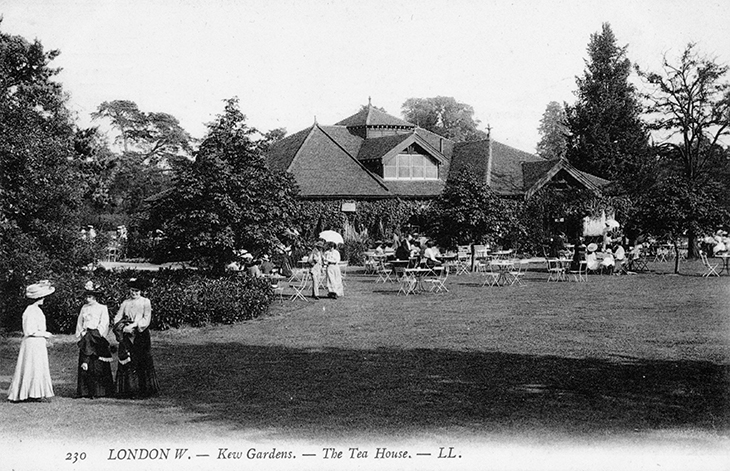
(373, 155)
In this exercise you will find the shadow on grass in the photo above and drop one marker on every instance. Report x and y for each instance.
(334, 391)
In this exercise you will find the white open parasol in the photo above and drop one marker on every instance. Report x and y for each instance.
(331, 236)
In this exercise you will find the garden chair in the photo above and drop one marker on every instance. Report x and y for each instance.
(384, 272)
(299, 289)
(711, 269)
(581, 274)
(408, 284)
(555, 269)
(438, 282)
(491, 276)
(516, 273)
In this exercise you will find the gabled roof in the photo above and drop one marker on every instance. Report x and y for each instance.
(324, 168)
(557, 167)
(370, 116)
(382, 148)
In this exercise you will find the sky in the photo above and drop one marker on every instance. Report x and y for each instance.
(291, 62)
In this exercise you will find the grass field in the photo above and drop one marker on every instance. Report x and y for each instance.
(640, 359)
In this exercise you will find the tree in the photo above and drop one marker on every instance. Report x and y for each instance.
(227, 199)
(606, 134)
(691, 102)
(467, 212)
(39, 186)
(553, 131)
(157, 137)
(676, 206)
(443, 116)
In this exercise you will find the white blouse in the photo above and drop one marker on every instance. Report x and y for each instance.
(93, 316)
(34, 322)
(139, 311)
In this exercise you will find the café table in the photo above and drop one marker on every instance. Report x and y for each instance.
(420, 274)
(503, 268)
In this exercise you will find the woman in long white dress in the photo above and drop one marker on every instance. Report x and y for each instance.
(334, 275)
(95, 358)
(32, 378)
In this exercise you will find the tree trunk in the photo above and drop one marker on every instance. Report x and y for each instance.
(676, 257)
(691, 244)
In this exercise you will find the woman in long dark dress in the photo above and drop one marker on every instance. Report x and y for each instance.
(95, 358)
(136, 371)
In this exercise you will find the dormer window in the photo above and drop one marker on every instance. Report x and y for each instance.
(410, 167)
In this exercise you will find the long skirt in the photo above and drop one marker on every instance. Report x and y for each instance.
(32, 378)
(334, 279)
(136, 376)
(96, 380)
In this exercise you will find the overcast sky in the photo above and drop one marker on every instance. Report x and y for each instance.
(289, 61)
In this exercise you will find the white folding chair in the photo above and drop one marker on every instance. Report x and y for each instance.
(491, 276)
(384, 273)
(438, 283)
(556, 272)
(299, 289)
(516, 273)
(580, 275)
(408, 284)
(711, 269)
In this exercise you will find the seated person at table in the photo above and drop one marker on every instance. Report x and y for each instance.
(608, 262)
(416, 249)
(379, 250)
(266, 265)
(429, 255)
(593, 264)
(403, 252)
(255, 269)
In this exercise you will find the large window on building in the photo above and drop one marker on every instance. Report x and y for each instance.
(410, 167)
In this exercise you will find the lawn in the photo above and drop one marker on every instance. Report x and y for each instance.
(633, 363)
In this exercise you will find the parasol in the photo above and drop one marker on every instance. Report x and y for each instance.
(331, 236)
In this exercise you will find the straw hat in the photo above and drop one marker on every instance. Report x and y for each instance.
(39, 290)
(592, 247)
(91, 289)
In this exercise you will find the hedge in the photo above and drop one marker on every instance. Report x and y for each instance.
(178, 297)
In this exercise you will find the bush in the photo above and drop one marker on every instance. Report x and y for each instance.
(178, 297)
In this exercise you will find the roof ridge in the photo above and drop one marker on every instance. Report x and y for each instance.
(372, 175)
(296, 154)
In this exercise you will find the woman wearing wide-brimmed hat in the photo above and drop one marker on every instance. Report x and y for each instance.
(136, 370)
(95, 358)
(32, 378)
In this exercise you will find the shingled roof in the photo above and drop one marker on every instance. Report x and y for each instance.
(370, 116)
(324, 169)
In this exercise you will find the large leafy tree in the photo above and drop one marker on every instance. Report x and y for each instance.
(40, 187)
(553, 130)
(467, 212)
(690, 103)
(227, 199)
(444, 116)
(675, 206)
(606, 134)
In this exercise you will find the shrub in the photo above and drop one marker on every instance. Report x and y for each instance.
(178, 297)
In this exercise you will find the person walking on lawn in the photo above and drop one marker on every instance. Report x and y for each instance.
(315, 267)
(94, 377)
(32, 378)
(136, 371)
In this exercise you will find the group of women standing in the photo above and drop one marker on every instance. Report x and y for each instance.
(329, 262)
(135, 375)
